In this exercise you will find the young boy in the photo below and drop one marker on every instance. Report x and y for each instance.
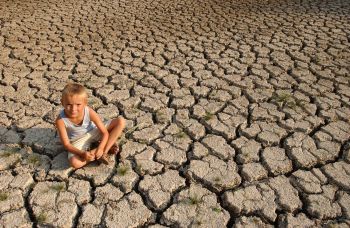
(79, 126)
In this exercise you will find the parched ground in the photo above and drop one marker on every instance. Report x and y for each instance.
(238, 112)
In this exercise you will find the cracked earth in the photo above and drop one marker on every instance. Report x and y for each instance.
(238, 112)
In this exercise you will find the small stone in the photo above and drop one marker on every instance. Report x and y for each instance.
(248, 150)
(320, 175)
(130, 148)
(344, 202)
(220, 95)
(300, 148)
(287, 195)
(164, 115)
(253, 172)
(200, 91)
(129, 103)
(10, 155)
(217, 174)
(266, 112)
(346, 155)
(108, 112)
(144, 121)
(185, 101)
(339, 130)
(91, 216)
(104, 72)
(130, 205)
(4, 121)
(224, 124)
(36, 164)
(250, 132)
(10, 136)
(152, 104)
(219, 147)
(335, 223)
(270, 134)
(125, 178)
(268, 138)
(205, 107)
(299, 220)
(199, 151)
(169, 155)
(195, 129)
(147, 134)
(258, 199)
(17, 218)
(253, 221)
(323, 206)
(307, 182)
(117, 96)
(52, 205)
(156, 226)
(339, 173)
(327, 151)
(195, 206)
(13, 200)
(276, 161)
(176, 137)
(158, 189)
(22, 181)
(145, 164)
(106, 194)
(81, 189)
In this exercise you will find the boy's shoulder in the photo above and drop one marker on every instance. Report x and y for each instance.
(90, 109)
(58, 118)
(60, 115)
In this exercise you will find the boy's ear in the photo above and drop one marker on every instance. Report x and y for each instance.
(63, 100)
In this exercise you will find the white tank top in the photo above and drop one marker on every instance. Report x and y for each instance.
(75, 130)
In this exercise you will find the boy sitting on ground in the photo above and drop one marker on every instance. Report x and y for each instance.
(79, 126)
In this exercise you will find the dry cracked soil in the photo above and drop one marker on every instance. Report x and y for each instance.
(237, 112)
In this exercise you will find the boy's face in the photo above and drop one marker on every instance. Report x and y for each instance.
(74, 105)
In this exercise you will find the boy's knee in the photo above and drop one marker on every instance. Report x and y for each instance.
(74, 163)
(120, 122)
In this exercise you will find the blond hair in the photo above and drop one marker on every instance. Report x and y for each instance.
(73, 89)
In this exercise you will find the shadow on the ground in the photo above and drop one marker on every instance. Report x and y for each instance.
(35, 141)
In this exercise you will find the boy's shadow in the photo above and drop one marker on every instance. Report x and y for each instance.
(40, 140)
(43, 142)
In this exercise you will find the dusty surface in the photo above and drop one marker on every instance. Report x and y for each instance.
(237, 112)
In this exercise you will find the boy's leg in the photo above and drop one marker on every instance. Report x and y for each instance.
(82, 143)
(77, 162)
(115, 129)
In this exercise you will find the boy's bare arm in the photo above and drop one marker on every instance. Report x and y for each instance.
(104, 133)
(65, 140)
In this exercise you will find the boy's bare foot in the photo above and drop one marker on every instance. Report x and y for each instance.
(104, 159)
(114, 149)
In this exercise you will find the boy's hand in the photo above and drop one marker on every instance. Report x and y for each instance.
(88, 156)
(99, 153)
